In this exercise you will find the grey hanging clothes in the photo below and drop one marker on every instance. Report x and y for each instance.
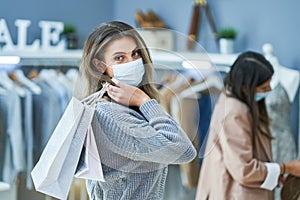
(3, 128)
(279, 108)
(46, 114)
(14, 154)
(27, 125)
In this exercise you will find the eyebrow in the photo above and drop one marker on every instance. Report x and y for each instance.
(120, 52)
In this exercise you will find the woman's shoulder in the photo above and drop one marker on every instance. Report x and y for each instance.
(115, 111)
(231, 110)
(103, 107)
(232, 105)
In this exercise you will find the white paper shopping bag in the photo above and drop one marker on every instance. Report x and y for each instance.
(89, 166)
(53, 174)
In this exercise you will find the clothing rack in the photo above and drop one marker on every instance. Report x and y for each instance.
(162, 61)
(73, 57)
(21, 187)
(45, 58)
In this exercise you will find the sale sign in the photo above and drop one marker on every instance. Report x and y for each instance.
(50, 36)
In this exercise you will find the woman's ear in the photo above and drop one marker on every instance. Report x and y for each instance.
(99, 65)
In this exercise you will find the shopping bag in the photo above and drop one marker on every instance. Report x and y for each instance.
(89, 166)
(53, 174)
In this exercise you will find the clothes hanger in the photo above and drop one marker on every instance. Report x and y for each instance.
(9, 84)
(180, 79)
(50, 76)
(205, 66)
(212, 81)
(5, 81)
(64, 80)
(21, 78)
(72, 75)
(33, 74)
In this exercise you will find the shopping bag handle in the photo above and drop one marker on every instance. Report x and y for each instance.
(93, 98)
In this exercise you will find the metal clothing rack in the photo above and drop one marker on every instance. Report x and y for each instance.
(46, 58)
(73, 58)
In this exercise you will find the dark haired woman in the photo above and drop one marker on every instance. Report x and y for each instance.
(238, 162)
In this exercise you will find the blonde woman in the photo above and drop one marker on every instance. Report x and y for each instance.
(136, 139)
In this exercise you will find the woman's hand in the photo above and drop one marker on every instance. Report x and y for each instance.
(126, 94)
(293, 167)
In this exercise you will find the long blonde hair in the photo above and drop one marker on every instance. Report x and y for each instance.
(95, 46)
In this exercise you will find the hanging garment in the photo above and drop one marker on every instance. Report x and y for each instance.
(185, 112)
(289, 80)
(178, 182)
(14, 152)
(3, 128)
(46, 114)
(62, 78)
(279, 108)
(51, 79)
(175, 86)
(53, 174)
(284, 145)
(189, 121)
(206, 105)
(27, 126)
(19, 77)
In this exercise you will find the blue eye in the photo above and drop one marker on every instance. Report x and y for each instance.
(136, 54)
(119, 58)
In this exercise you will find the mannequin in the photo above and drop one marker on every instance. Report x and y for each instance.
(289, 78)
(284, 84)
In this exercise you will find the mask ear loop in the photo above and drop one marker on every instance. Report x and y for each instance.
(106, 77)
(105, 82)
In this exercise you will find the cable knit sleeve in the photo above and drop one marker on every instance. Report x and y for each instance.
(154, 137)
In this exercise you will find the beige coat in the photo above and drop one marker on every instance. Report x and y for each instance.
(232, 169)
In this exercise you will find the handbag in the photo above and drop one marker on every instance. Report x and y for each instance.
(53, 174)
(290, 189)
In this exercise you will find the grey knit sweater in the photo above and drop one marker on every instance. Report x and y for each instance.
(135, 149)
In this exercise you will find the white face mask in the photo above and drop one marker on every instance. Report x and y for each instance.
(261, 95)
(130, 73)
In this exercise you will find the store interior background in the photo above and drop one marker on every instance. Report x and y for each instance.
(257, 22)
